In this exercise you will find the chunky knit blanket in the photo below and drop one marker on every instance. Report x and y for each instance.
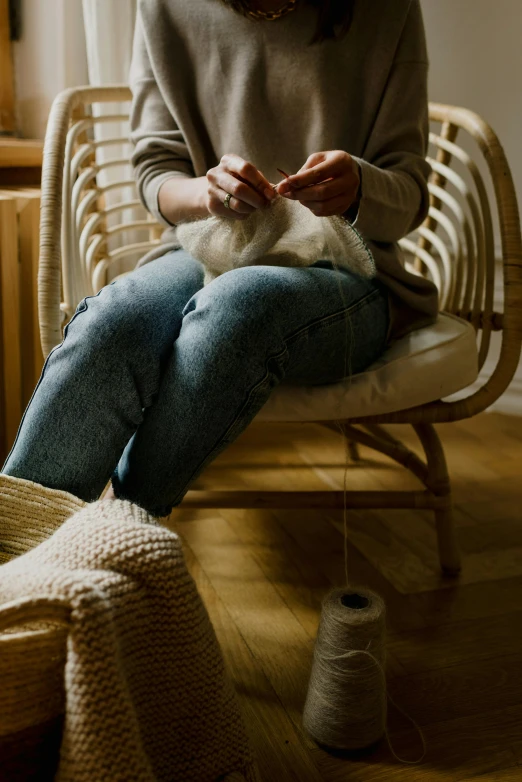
(147, 693)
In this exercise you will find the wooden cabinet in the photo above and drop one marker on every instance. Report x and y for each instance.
(20, 162)
(21, 358)
(7, 100)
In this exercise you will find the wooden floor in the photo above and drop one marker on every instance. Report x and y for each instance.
(454, 648)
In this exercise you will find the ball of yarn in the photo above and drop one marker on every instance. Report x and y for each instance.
(285, 234)
(346, 704)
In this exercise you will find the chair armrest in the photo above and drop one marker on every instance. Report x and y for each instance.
(65, 106)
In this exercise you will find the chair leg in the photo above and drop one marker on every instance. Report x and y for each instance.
(353, 450)
(438, 483)
(449, 554)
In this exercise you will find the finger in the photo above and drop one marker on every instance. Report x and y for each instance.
(318, 173)
(247, 173)
(244, 198)
(285, 187)
(236, 209)
(240, 190)
(322, 192)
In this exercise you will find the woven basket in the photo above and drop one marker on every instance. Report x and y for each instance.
(33, 637)
(33, 646)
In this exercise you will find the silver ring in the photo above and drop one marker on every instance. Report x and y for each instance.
(227, 201)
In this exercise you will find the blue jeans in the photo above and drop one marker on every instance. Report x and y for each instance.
(157, 374)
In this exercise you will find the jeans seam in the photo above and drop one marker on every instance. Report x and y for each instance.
(46, 362)
(333, 317)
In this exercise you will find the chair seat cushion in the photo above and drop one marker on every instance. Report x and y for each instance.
(424, 366)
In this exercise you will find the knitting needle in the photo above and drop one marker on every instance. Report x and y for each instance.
(293, 186)
(285, 176)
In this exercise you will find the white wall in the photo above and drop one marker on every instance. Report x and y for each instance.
(49, 57)
(475, 50)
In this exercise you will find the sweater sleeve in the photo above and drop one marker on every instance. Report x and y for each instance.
(160, 151)
(394, 170)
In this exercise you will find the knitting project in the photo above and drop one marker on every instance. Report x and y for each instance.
(147, 694)
(285, 234)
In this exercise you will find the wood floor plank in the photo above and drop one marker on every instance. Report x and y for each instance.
(288, 568)
(457, 750)
(381, 766)
(450, 644)
(271, 631)
(460, 690)
(500, 504)
(279, 749)
(504, 775)
(292, 571)
(469, 601)
(489, 427)
(310, 529)
(472, 745)
(402, 545)
(517, 749)
(410, 568)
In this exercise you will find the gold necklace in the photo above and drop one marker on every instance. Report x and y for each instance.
(269, 15)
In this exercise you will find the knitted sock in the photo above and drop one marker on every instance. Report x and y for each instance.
(30, 513)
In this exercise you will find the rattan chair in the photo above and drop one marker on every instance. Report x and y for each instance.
(83, 235)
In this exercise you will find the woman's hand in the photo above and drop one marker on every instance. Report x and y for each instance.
(250, 190)
(328, 183)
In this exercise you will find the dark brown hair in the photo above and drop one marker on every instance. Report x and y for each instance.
(331, 14)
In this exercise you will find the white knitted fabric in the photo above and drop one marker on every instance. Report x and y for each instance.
(148, 697)
(285, 234)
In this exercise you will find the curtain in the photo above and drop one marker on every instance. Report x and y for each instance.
(109, 31)
(48, 58)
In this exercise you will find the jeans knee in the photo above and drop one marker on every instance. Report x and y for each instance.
(116, 324)
(245, 298)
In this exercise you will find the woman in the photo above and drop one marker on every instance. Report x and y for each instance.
(157, 374)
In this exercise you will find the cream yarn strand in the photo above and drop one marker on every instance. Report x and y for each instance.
(346, 702)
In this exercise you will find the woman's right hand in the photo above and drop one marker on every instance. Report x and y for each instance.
(250, 190)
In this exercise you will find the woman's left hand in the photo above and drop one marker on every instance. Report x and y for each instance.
(328, 183)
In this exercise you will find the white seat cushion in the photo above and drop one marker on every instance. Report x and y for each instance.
(426, 365)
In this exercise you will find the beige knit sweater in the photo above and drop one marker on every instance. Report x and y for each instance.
(207, 81)
(147, 694)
